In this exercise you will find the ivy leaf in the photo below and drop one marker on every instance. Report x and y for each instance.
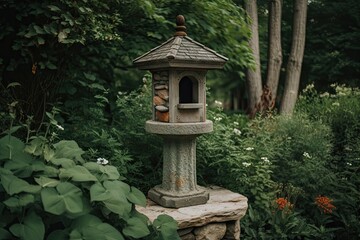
(66, 197)
(77, 174)
(31, 228)
(135, 228)
(137, 197)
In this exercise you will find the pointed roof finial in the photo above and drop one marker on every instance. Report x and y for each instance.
(180, 26)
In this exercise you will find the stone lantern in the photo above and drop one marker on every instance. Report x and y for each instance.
(178, 68)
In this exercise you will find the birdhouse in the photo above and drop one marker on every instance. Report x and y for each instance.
(178, 68)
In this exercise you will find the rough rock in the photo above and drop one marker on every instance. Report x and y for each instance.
(185, 231)
(161, 86)
(156, 76)
(164, 94)
(162, 117)
(162, 108)
(212, 231)
(222, 206)
(232, 230)
(158, 101)
(189, 236)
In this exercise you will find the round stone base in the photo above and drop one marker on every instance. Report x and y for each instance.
(170, 201)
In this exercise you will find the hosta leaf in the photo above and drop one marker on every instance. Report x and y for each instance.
(135, 228)
(77, 174)
(59, 235)
(137, 197)
(13, 185)
(92, 228)
(19, 201)
(30, 229)
(4, 234)
(46, 182)
(66, 197)
(11, 147)
(167, 226)
(64, 162)
(68, 149)
(35, 147)
(111, 172)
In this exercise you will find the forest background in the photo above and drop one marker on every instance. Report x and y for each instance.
(66, 73)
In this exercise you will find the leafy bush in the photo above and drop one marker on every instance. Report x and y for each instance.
(49, 191)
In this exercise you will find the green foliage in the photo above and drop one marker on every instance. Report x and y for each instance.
(48, 191)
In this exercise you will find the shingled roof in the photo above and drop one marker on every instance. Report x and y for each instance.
(180, 51)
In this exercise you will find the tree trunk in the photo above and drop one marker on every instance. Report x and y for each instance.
(274, 47)
(253, 76)
(293, 70)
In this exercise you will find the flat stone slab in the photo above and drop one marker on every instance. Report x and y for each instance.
(162, 128)
(223, 206)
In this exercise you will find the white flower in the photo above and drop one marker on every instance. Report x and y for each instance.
(307, 155)
(265, 159)
(236, 123)
(246, 164)
(349, 164)
(325, 94)
(217, 118)
(102, 161)
(336, 104)
(249, 148)
(289, 138)
(237, 131)
(60, 127)
(218, 103)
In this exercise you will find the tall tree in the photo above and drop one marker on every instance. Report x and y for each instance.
(274, 47)
(253, 76)
(293, 69)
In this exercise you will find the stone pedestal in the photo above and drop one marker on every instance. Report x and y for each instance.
(179, 185)
(218, 219)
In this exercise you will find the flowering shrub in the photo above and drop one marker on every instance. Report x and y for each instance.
(325, 204)
(283, 203)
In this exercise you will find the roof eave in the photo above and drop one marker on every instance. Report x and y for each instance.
(200, 64)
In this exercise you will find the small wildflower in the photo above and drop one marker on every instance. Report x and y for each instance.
(60, 127)
(218, 103)
(307, 155)
(236, 123)
(249, 148)
(246, 164)
(283, 203)
(325, 204)
(336, 104)
(102, 161)
(349, 164)
(217, 118)
(265, 159)
(289, 138)
(237, 131)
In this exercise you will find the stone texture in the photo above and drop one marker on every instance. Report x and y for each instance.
(164, 94)
(223, 206)
(162, 116)
(162, 109)
(212, 231)
(189, 236)
(185, 231)
(196, 128)
(161, 86)
(232, 230)
(158, 101)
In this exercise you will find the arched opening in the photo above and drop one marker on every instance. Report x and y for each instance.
(188, 90)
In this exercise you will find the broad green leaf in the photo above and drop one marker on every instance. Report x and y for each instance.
(135, 228)
(4, 234)
(64, 162)
(66, 197)
(35, 147)
(137, 197)
(68, 149)
(48, 153)
(46, 182)
(30, 229)
(59, 235)
(11, 147)
(111, 172)
(12, 130)
(51, 171)
(54, 8)
(167, 226)
(77, 174)
(13, 185)
(19, 201)
(89, 76)
(92, 228)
